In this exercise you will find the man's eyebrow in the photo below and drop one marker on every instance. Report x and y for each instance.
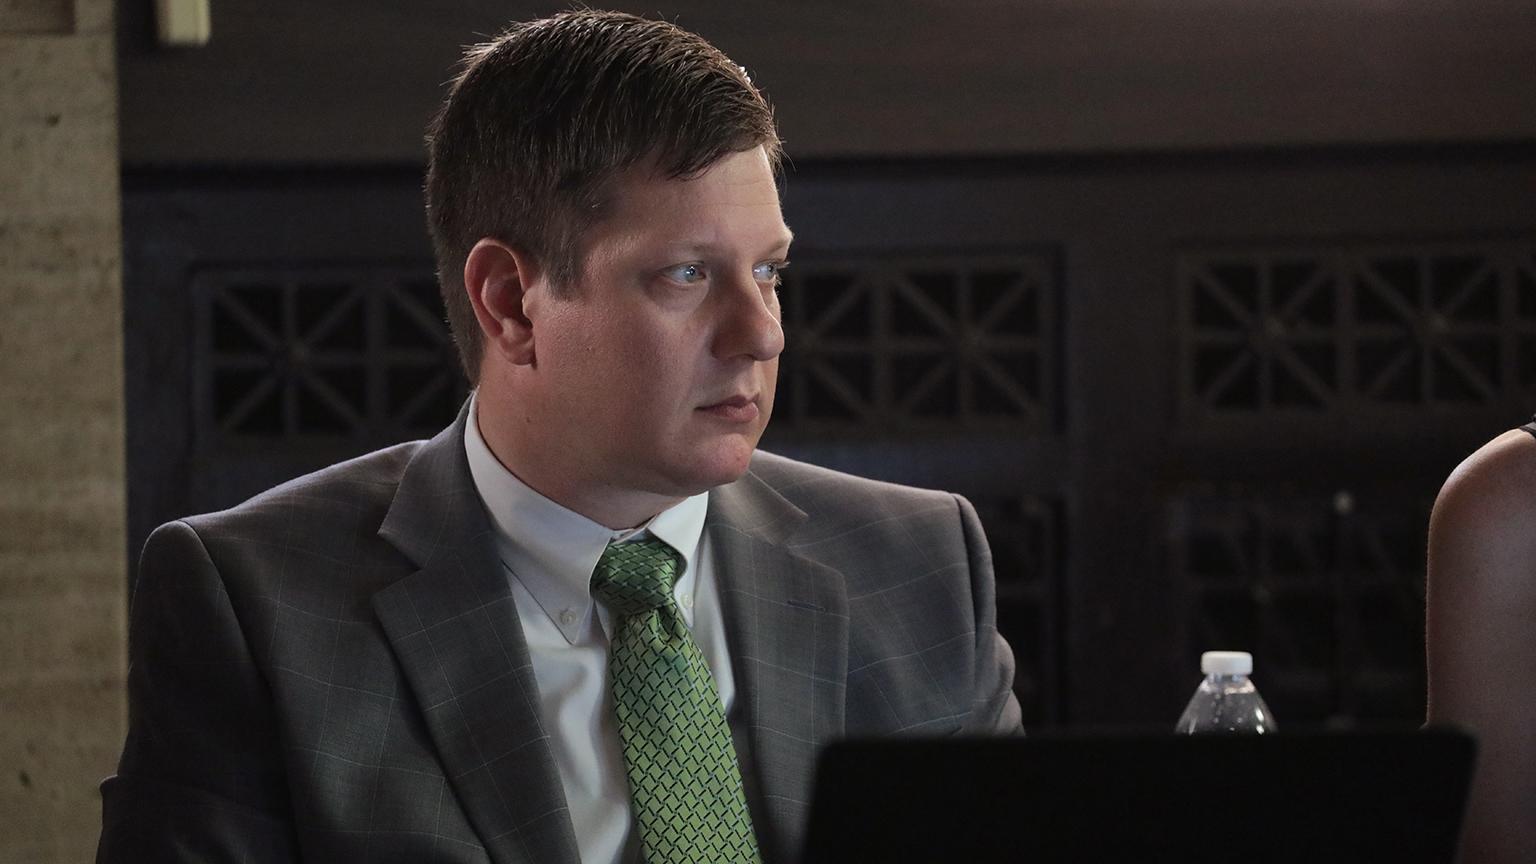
(782, 242)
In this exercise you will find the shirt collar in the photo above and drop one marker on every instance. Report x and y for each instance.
(553, 550)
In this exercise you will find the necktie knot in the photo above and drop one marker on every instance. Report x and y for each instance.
(636, 577)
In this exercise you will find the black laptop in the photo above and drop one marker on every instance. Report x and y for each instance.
(1359, 797)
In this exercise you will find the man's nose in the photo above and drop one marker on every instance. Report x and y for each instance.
(750, 323)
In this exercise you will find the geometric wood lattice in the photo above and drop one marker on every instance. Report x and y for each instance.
(1327, 593)
(901, 343)
(1025, 534)
(321, 352)
(1329, 330)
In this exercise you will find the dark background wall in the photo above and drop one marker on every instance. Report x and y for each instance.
(353, 81)
(1199, 304)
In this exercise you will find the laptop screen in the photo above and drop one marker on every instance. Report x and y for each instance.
(1359, 797)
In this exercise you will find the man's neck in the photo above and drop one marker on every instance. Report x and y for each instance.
(604, 503)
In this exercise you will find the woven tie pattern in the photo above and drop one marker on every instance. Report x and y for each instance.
(683, 777)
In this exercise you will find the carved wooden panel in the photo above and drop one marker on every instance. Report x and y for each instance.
(1324, 330)
(293, 353)
(880, 346)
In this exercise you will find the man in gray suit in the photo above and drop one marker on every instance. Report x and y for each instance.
(407, 656)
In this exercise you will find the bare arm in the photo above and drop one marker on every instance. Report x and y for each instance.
(1482, 638)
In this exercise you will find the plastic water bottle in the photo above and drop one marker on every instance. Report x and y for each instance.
(1226, 702)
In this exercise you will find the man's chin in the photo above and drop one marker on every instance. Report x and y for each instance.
(722, 462)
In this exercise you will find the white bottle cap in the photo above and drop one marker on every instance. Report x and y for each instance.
(1226, 663)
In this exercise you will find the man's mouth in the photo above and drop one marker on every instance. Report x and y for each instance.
(736, 409)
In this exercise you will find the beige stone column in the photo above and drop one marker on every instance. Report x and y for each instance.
(63, 563)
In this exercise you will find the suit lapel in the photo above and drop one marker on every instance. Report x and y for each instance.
(455, 632)
(786, 620)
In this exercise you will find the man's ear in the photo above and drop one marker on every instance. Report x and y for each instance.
(497, 278)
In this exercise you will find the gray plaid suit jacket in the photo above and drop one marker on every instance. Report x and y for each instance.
(334, 670)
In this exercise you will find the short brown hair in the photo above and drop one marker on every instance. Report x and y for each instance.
(542, 116)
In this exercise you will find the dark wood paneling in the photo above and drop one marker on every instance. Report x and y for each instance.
(1104, 501)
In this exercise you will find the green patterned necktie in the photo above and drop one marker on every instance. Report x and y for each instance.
(683, 777)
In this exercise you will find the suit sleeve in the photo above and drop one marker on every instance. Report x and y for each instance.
(994, 708)
(201, 775)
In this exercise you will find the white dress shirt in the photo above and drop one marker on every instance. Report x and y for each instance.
(549, 553)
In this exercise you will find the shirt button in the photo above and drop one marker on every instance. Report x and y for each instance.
(687, 601)
(567, 618)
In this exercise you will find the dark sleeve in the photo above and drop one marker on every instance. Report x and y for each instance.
(994, 708)
(201, 776)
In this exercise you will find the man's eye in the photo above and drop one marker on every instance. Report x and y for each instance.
(685, 273)
(769, 271)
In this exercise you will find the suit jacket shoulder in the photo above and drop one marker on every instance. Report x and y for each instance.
(915, 572)
(273, 715)
(851, 521)
(345, 497)
(826, 489)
